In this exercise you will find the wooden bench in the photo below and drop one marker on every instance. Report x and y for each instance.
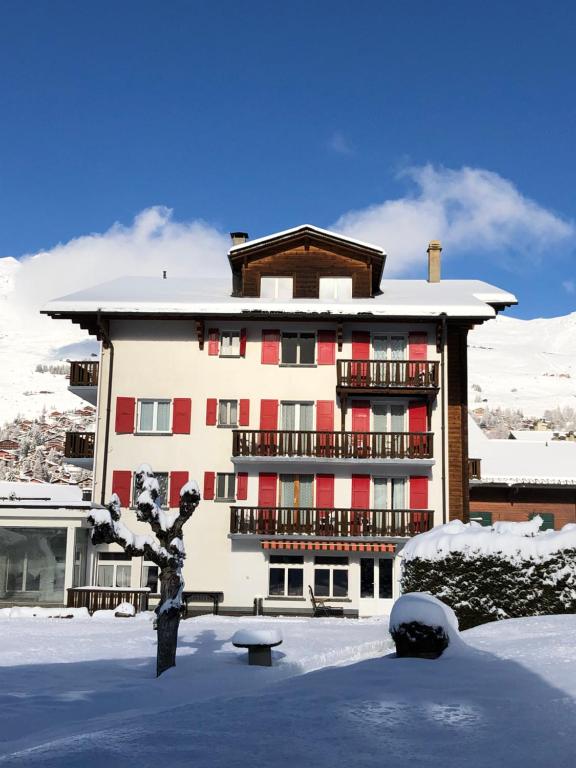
(259, 644)
(202, 597)
(107, 598)
(321, 609)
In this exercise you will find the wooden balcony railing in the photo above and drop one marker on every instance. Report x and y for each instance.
(293, 521)
(387, 374)
(84, 373)
(474, 469)
(333, 445)
(79, 445)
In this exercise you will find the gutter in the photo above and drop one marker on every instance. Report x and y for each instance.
(443, 390)
(107, 344)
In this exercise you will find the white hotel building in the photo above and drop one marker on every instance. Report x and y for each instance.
(321, 408)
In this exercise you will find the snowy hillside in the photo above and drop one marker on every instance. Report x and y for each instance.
(27, 340)
(525, 364)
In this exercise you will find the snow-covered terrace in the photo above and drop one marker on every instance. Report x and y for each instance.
(34, 495)
(518, 462)
(188, 296)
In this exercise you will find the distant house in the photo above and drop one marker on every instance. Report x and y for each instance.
(519, 478)
(8, 445)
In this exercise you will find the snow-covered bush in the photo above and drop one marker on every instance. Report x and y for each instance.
(422, 626)
(488, 573)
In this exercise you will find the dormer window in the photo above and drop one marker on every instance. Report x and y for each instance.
(276, 287)
(335, 288)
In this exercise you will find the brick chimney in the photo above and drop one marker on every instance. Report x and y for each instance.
(238, 238)
(434, 251)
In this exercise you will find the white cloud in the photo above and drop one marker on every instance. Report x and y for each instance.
(569, 286)
(470, 210)
(339, 144)
(153, 242)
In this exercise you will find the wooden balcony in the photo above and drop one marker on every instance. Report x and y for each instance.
(293, 521)
(474, 469)
(79, 445)
(84, 373)
(390, 376)
(333, 445)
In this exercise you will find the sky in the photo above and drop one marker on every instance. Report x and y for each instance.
(137, 134)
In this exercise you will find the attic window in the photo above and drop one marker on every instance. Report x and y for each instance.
(335, 287)
(276, 287)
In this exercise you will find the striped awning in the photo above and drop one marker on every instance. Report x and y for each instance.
(330, 546)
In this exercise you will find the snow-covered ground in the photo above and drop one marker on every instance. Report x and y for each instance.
(81, 692)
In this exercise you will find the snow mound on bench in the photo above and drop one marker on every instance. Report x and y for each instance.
(257, 637)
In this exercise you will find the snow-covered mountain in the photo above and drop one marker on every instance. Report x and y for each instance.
(525, 364)
(27, 340)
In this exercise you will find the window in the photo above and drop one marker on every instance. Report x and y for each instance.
(230, 344)
(547, 520)
(331, 576)
(225, 486)
(32, 562)
(150, 577)
(276, 288)
(286, 576)
(297, 491)
(484, 518)
(389, 493)
(388, 418)
(366, 577)
(297, 416)
(228, 413)
(114, 569)
(154, 415)
(162, 478)
(298, 348)
(385, 578)
(389, 347)
(335, 287)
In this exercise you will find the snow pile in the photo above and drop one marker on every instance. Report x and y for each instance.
(426, 609)
(125, 609)
(257, 637)
(513, 541)
(37, 612)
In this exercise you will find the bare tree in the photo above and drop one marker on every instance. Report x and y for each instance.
(165, 548)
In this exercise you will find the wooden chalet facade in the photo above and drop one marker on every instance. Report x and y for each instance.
(322, 408)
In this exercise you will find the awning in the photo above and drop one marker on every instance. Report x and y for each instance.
(329, 546)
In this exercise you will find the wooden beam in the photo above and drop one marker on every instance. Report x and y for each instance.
(340, 336)
(200, 333)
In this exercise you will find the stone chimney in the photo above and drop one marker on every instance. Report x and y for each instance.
(434, 251)
(238, 238)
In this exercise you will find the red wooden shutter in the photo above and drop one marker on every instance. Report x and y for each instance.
(418, 493)
(242, 342)
(122, 485)
(209, 481)
(325, 416)
(360, 492)
(326, 347)
(213, 341)
(181, 415)
(418, 346)
(242, 486)
(211, 408)
(360, 345)
(360, 416)
(417, 417)
(125, 412)
(267, 489)
(270, 347)
(269, 414)
(177, 480)
(325, 491)
(244, 414)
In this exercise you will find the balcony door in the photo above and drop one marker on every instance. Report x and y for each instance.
(296, 492)
(376, 585)
(389, 499)
(388, 418)
(388, 350)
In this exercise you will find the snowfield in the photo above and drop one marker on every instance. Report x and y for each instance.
(81, 692)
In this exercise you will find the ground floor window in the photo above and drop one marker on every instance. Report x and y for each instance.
(286, 576)
(385, 585)
(368, 566)
(330, 576)
(32, 564)
(150, 577)
(114, 569)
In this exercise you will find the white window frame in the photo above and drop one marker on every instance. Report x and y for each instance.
(155, 402)
(331, 567)
(298, 413)
(145, 565)
(298, 364)
(235, 348)
(389, 492)
(230, 485)
(115, 564)
(388, 336)
(388, 406)
(164, 498)
(285, 566)
(228, 421)
(276, 283)
(340, 290)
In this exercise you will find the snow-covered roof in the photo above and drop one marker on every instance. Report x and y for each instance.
(14, 494)
(518, 462)
(406, 298)
(286, 233)
(533, 435)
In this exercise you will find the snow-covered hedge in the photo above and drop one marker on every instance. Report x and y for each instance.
(484, 574)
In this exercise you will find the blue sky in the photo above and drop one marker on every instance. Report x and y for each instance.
(260, 116)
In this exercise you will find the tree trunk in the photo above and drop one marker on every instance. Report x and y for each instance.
(168, 619)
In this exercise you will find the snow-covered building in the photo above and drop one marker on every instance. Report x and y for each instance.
(43, 542)
(518, 479)
(322, 408)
